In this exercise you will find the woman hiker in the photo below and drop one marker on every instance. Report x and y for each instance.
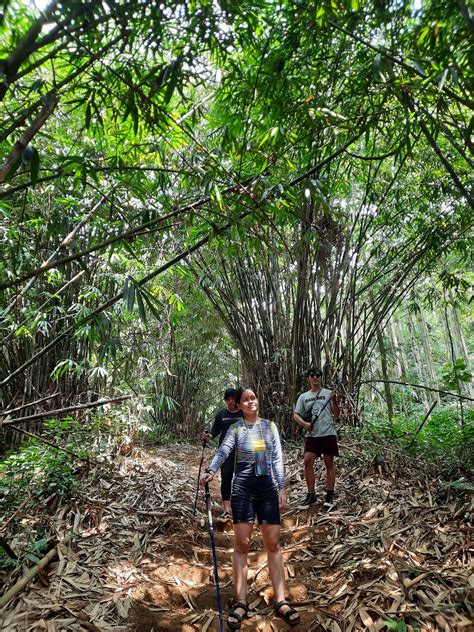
(258, 491)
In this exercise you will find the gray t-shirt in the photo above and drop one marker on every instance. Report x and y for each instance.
(324, 426)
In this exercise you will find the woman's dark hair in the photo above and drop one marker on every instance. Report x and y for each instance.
(239, 392)
(230, 392)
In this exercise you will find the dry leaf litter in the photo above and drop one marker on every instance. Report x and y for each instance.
(390, 550)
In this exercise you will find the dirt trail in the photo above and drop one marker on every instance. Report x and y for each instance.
(141, 562)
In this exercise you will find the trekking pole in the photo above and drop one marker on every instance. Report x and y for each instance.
(214, 556)
(199, 476)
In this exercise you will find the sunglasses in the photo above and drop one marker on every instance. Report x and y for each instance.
(315, 375)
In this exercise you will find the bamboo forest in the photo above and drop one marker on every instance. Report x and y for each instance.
(223, 219)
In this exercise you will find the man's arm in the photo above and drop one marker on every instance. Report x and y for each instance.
(217, 425)
(301, 422)
(223, 451)
(215, 430)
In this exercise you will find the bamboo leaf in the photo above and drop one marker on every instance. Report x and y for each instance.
(140, 305)
(88, 115)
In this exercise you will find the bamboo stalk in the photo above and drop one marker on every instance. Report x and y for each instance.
(426, 388)
(425, 419)
(27, 577)
(28, 135)
(28, 404)
(8, 550)
(50, 443)
(61, 411)
(52, 258)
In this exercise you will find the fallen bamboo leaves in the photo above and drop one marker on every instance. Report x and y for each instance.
(385, 552)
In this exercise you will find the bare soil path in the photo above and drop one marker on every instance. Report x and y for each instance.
(391, 550)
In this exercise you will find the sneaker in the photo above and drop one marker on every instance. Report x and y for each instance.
(329, 500)
(309, 500)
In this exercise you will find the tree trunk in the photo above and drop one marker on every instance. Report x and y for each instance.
(400, 368)
(385, 373)
(420, 374)
(456, 321)
(425, 337)
(453, 359)
(450, 348)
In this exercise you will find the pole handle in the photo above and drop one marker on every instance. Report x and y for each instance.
(208, 506)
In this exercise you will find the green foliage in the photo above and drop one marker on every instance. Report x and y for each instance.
(455, 374)
(37, 469)
(33, 555)
(461, 485)
(94, 438)
(442, 439)
(164, 110)
(37, 550)
(399, 625)
(42, 470)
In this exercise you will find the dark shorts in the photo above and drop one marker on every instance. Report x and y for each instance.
(254, 497)
(322, 445)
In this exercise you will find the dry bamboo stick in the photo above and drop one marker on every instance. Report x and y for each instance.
(50, 443)
(27, 405)
(61, 411)
(17, 511)
(408, 583)
(426, 388)
(27, 577)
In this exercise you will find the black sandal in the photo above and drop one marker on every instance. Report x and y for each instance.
(286, 615)
(235, 625)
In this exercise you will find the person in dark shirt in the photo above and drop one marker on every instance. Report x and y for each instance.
(222, 422)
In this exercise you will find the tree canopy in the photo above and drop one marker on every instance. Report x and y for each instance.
(305, 166)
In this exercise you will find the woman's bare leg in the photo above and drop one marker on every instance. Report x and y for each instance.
(242, 536)
(276, 569)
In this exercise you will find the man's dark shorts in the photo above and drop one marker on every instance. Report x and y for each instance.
(322, 445)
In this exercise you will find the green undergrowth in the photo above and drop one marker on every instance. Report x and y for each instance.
(38, 470)
(163, 437)
(45, 476)
(445, 439)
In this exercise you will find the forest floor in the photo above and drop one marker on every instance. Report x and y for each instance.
(396, 548)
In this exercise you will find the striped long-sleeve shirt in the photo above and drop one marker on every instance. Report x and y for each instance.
(241, 436)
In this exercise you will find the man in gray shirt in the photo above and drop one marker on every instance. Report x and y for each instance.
(321, 439)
